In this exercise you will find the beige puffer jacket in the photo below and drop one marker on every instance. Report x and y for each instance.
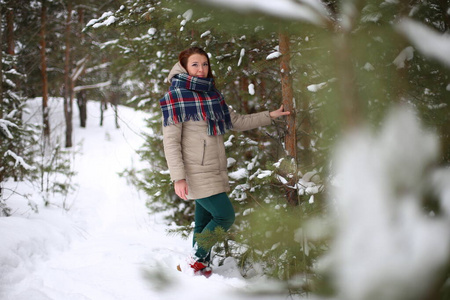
(193, 155)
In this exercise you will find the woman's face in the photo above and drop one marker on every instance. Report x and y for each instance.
(197, 65)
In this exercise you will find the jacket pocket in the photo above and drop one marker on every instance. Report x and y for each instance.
(203, 152)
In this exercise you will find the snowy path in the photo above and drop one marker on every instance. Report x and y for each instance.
(107, 246)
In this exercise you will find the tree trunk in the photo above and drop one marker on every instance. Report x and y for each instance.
(287, 92)
(81, 23)
(45, 115)
(1, 109)
(347, 83)
(288, 103)
(81, 95)
(351, 108)
(305, 134)
(10, 31)
(103, 107)
(68, 98)
(243, 82)
(115, 103)
(82, 106)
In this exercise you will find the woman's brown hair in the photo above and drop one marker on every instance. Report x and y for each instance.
(185, 54)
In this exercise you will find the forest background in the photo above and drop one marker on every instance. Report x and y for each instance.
(336, 65)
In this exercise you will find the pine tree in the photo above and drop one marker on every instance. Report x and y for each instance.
(17, 152)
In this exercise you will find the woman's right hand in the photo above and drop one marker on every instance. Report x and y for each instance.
(181, 189)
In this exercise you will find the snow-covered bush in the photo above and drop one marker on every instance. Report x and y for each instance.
(391, 209)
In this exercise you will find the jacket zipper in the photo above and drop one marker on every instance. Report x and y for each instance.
(204, 151)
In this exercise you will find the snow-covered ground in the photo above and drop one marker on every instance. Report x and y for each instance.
(108, 245)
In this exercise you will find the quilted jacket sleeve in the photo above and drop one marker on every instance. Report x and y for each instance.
(250, 121)
(172, 135)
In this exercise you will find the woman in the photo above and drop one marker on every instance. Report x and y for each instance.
(195, 118)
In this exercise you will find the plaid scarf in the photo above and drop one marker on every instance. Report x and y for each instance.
(195, 98)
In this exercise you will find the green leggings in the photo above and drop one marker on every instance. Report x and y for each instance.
(211, 212)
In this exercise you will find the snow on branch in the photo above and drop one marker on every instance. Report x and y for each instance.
(273, 55)
(14, 72)
(19, 160)
(406, 55)
(428, 41)
(13, 95)
(106, 19)
(81, 66)
(311, 11)
(4, 127)
(99, 67)
(92, 86)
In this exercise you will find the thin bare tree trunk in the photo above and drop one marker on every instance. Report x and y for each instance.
(288, 103)
(68, 98)
(46, 122)
(115, 103)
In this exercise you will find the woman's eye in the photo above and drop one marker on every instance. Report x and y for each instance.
(205, 64)
(194, 65)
